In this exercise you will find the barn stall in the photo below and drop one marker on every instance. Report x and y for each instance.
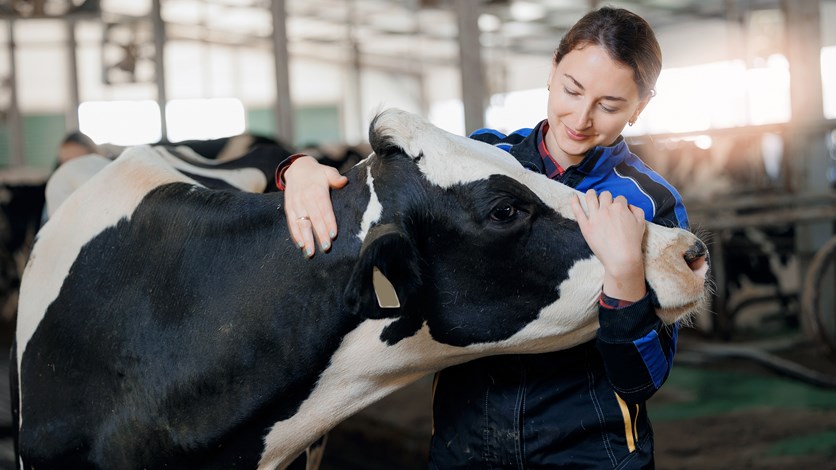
(743, 124)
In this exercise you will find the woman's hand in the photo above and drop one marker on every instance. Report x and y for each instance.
(614, 231)
(307, 203)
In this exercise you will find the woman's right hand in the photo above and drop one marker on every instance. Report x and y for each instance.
(307, 203)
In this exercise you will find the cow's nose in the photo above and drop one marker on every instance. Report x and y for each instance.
(697, 258)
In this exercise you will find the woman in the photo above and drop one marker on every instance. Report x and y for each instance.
(583, 407)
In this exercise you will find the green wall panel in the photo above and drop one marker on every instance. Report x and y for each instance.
(312, 124)
(42, 133)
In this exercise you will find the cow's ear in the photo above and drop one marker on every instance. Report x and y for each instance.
(386, 275)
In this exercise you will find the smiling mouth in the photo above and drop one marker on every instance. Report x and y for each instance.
(574, 135)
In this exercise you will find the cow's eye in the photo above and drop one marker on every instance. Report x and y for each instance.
(503, 212)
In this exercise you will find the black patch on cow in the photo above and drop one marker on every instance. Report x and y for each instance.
(491, 254)
(494, 260)
(150, 346)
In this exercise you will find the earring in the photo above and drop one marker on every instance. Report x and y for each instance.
(630, 123)
(548, 87)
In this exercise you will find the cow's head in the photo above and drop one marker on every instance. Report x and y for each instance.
(484, 251)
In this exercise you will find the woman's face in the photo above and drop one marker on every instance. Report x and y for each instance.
(591, 99)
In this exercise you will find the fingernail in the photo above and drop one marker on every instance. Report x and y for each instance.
(332, 234)
(325, 246)
(300, 244)
(309, 252)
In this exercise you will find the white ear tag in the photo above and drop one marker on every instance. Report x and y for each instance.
(384, 290)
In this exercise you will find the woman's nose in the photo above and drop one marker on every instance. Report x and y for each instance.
(583, 121)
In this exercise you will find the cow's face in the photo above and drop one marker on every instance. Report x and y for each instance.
(483, 251)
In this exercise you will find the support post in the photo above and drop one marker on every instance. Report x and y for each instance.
(806, 143)
(283, 104)
(15, 119)
(159, 63)
(470, 57)
(71, 119)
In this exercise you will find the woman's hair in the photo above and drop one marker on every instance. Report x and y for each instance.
(626, 37)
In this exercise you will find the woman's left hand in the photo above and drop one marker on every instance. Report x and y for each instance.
(614, 230)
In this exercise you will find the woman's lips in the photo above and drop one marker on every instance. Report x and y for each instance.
(574, 135)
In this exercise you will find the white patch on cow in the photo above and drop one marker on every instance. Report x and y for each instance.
(70, 176)
(679, 289)
(373, 211)
(570, 320)
(114, 192)
(364, 369)
(449, 159)
(245, 179)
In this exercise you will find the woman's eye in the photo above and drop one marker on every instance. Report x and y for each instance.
(570, 92)
(503, 212)
(608, 109)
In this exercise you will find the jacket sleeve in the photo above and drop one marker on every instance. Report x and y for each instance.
(636, 347)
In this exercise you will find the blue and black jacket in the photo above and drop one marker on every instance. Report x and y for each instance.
(579, 408)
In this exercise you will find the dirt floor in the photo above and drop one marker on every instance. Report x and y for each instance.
(735, 414)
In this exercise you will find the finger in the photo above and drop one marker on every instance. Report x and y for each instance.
(304, 226)
(335, 179)
(293, 227)
(329, 220)
(577, 209)
(591, 200)
(621, 202)
(300, 225)
(323, 222)
(290, 217)
(320, 231)
(605, 199)
(637, 211)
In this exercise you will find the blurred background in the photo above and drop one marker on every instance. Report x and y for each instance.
(743, 124)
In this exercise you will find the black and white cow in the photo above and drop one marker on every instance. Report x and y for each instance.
(251, 171)
(165, 324)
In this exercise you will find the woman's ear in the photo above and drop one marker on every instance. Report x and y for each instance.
(551, 76)
(644, 101)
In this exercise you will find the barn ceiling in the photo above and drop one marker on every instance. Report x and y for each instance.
(420, 31)
(392, 33)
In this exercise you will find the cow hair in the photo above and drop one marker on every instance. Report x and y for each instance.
(381, 137)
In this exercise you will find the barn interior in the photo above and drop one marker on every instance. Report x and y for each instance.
(743, 124)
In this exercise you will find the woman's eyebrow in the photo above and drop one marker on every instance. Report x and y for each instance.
(578, 84)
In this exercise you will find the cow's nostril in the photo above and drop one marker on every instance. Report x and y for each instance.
(696, 264)
(696, 256)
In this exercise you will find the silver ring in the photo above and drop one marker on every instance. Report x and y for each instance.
(304, 217)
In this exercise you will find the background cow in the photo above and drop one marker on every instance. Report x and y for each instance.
(162, 323)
